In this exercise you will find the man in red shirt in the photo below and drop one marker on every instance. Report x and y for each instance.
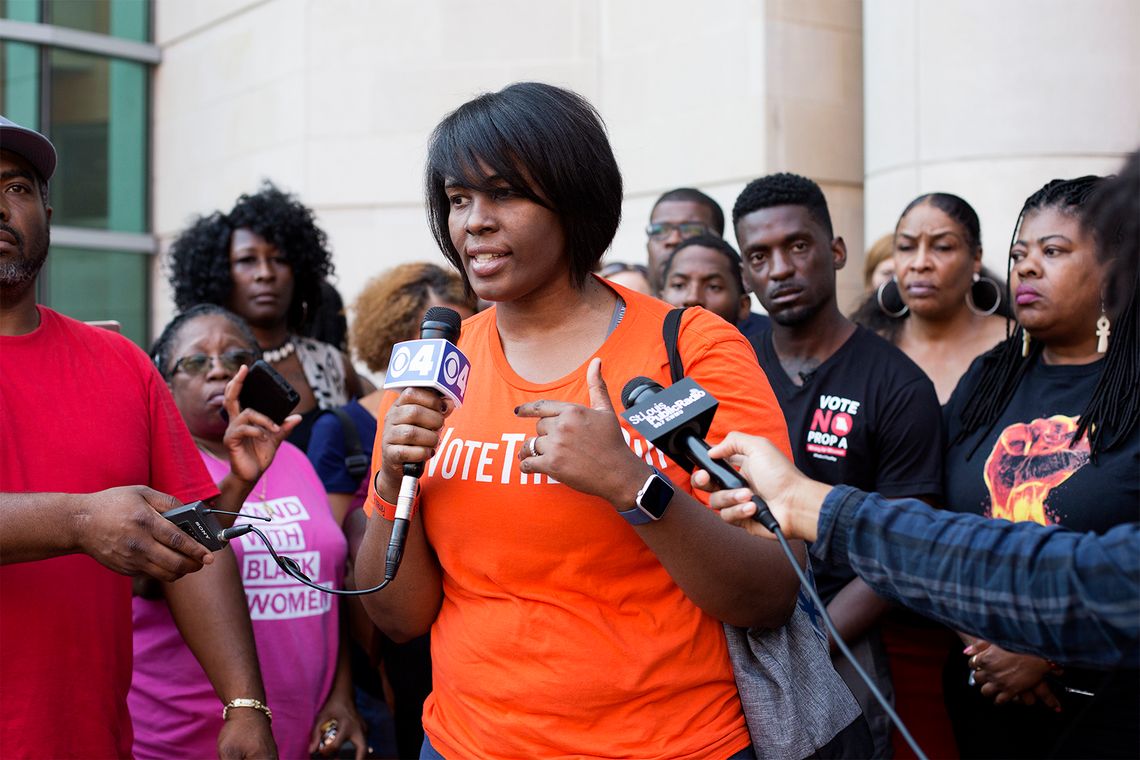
(86, 420)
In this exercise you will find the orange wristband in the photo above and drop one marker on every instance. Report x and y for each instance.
(374, 505)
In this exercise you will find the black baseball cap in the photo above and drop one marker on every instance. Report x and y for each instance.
(34, 147)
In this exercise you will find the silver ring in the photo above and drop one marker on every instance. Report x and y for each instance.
(532, 450)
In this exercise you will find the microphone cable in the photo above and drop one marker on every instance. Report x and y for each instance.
(291, 567)
(640, 388)
(809, 587)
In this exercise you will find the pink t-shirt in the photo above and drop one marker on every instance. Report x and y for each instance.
(175, 710)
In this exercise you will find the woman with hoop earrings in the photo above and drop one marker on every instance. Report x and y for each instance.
(941, 307)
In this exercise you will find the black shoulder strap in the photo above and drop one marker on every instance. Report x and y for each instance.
(355, 460)
(670, 331)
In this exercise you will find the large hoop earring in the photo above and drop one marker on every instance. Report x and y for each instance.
(972, 301)
(890, 290)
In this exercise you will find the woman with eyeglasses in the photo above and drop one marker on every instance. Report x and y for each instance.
(266, 260)
(174, 708)
(575, 589)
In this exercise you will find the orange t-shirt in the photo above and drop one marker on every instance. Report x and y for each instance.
(560, 633)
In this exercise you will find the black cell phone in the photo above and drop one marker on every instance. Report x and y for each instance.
(198, 523)
(266, 391)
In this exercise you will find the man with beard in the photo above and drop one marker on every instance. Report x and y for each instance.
(86, 419)
(859, 412)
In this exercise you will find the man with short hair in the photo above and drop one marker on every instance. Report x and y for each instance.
(676, 216)
(859, 412)
(706, 271)
(86, 418)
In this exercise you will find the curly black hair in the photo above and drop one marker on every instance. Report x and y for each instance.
(783, 189)
(200, 256)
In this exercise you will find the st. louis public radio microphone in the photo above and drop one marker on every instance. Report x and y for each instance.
(675, 420)
(433, 362)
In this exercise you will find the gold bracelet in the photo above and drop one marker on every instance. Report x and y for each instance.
(256, 704)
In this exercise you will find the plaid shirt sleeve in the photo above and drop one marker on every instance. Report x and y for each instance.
(1067, 596)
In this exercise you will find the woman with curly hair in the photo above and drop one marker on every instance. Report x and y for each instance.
(265, 260)
(390, 309)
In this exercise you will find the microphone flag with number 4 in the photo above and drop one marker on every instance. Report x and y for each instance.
(433, 363)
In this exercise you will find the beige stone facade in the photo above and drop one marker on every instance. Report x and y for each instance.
(876, 100)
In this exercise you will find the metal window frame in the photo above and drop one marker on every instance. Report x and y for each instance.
(75, 39)
(103, 240)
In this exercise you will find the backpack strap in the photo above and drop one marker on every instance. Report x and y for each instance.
(355, 460)
(671, 331)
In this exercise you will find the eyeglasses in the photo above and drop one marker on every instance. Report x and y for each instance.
(196, 364)
(662, 230)
(616, 267)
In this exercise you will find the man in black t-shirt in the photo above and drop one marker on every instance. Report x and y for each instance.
(859, 412)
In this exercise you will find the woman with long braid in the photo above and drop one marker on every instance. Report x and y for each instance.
(1044, 428)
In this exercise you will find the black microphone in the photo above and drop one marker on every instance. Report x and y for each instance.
(420, 364)
(675, 420)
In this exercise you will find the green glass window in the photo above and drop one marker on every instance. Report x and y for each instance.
(96, 285)
(20, 10)
(20, 82)
(94, 107)
(129, 19)
(98, 118)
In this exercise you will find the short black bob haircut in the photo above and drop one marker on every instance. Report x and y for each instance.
(783, 189)
(200, 256)
(735, 265)
(550, 146)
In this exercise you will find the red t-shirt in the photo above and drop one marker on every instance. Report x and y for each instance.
(82, 409)
(560, 633)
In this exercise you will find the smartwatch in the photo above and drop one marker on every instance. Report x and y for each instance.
(652, 500)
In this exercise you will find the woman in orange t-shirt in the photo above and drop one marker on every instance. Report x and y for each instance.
(564, 620)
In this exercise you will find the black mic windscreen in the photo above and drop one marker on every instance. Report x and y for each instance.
(636, 388)
(441, 322)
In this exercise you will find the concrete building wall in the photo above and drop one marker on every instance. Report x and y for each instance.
(990, 99)
(334, 100)
(878, 101)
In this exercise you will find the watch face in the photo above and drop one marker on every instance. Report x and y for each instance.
(655, 496)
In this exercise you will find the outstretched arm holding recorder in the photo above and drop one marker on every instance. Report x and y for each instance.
(1071, 597)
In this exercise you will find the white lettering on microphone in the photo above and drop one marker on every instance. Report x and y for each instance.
(660, 414)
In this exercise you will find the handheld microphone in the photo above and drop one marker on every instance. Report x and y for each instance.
(675, 420)
(432, 362)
